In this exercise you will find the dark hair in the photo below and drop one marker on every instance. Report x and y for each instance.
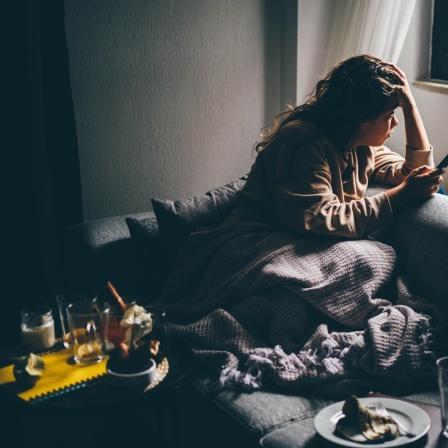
(356, 90)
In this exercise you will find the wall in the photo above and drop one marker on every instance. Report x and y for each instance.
(314, 26)
(169, 95)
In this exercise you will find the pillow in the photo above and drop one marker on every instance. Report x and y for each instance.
(148, 248)
(144, 236)
(176, 219)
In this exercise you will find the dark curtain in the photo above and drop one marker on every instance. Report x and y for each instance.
(41, 167)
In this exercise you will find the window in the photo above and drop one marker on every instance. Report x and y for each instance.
(439, 43)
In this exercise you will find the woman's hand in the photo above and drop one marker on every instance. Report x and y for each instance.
(403, 91)
(415, 130)
(421, 183)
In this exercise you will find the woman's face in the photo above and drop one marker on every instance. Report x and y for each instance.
(375, 132)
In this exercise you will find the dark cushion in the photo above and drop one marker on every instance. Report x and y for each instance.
(262, 411)
(145, 237)
(176, 219)
(148, 249)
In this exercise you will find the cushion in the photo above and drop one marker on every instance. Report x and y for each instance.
(262, 411)
(176, 219)
(147, 246)
(145, 237)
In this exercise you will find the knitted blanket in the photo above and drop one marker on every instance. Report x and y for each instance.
(262, 306)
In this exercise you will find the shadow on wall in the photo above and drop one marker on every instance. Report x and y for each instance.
(280, 48)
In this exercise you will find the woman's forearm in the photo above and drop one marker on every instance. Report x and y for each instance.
(415, 130)
(416, 136)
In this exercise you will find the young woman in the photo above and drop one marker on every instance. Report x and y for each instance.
(312, 170)
(271, 295)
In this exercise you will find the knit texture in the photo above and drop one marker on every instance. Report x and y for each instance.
(262, 306)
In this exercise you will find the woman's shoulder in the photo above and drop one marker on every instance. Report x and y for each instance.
(296, 137)
(301, 126)
(301, 132)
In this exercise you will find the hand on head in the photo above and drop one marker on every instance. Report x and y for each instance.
(402, 91)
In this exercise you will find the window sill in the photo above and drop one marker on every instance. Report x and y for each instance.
(432, 86)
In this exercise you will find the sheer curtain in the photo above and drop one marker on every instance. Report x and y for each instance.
(376, 27)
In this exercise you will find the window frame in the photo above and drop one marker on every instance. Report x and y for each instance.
(438, 70)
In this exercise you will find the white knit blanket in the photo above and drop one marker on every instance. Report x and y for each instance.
(261, 306)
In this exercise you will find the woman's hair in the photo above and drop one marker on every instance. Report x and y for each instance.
(356, 90)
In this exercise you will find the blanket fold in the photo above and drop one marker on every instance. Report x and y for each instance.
(263, 306)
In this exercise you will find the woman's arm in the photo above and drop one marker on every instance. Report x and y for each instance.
(311, 197)
(423, 181)
(416, 136)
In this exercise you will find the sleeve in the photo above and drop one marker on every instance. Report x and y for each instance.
(391, 168)
(306, 199)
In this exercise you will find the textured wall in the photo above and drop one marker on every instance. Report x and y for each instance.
(314, 25)
(169, 95)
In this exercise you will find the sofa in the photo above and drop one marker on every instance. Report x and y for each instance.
(136, 251)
